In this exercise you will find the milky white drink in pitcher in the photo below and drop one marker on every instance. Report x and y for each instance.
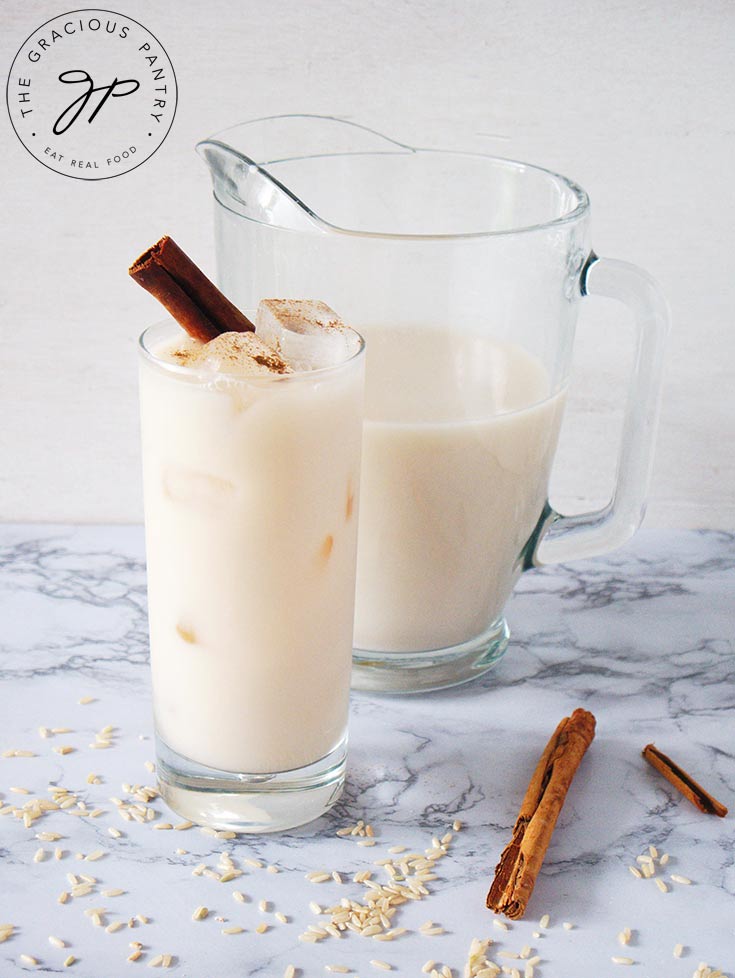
(458, 443)
(251, 472)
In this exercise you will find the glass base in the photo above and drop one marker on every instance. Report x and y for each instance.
(249, 802)
(421, 672)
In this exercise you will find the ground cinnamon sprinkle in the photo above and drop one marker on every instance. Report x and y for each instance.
(274, 363)
(230, 349)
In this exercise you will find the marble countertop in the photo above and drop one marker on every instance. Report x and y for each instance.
(643, 638)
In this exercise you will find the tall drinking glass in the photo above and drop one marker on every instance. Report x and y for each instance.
(251, 495)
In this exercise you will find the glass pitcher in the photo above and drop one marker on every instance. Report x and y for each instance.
(464, 272)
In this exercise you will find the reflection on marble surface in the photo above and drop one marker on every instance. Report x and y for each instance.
(643, 638)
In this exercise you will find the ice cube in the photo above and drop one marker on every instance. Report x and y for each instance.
(239, 354)
(305, 332)
(200, 491)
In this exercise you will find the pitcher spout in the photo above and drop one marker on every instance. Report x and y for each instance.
(287, 170)
(249, 190)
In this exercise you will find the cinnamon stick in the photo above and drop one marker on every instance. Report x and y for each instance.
(522, 858)
(193, 300)
(683, 782)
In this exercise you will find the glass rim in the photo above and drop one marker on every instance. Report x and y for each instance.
(263, 380)
(580, 210)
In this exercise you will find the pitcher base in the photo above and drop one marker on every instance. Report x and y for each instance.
(252, 803)
(421, 672)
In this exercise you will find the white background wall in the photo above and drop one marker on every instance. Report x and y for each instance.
(634, 99)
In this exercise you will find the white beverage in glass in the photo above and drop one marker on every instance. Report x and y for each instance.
(251, 487)
(459, 438)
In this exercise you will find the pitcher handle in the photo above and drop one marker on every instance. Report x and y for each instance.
(561, 538)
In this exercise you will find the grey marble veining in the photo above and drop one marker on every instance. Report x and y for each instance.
(643, 638)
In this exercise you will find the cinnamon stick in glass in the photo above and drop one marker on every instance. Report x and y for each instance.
(522, 858)
(193, 300)
(683, 782)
